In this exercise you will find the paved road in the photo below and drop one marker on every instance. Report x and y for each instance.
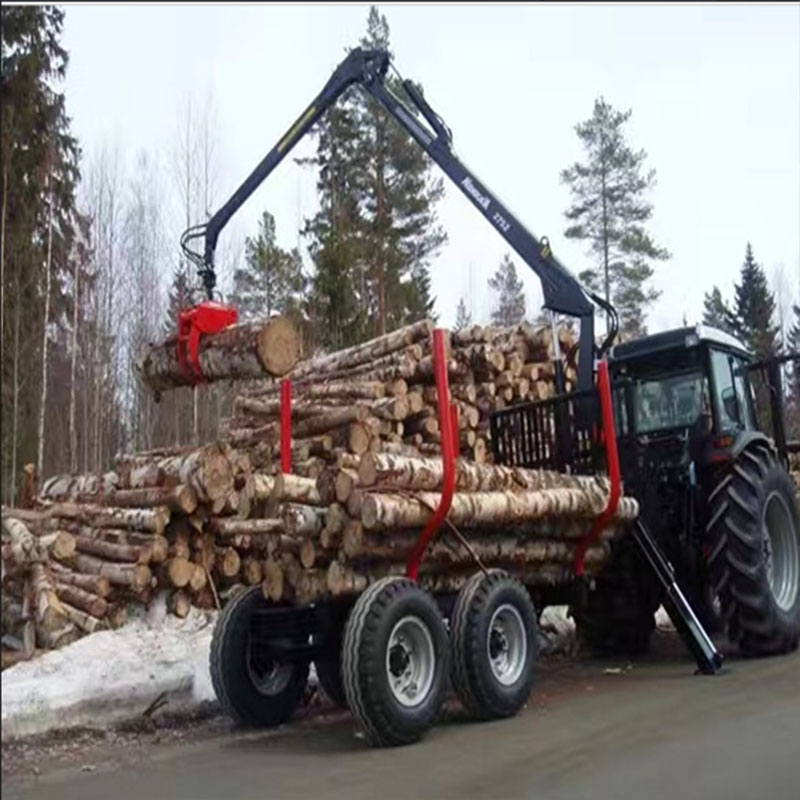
(652, 732)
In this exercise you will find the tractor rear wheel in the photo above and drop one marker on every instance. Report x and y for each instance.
(754, 536)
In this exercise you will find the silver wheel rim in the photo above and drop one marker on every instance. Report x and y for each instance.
(781, 551)
(507, 645)
(269, 678)
(410, 661)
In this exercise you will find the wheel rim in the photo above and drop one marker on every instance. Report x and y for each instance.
(269, 677)
(781, 551)
(410, 661)
(507, 644)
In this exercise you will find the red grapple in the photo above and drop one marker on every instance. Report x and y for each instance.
(202, 320)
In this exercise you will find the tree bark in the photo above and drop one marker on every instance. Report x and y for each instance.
(95, 584)
(293, 489)
(238, 352)
(45, 334)
(91, 603)
(153, 520)
(207, 470)
(386, 511)
(302, 520)
(134, 576)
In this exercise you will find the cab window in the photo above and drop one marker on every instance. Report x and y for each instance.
(730, 392)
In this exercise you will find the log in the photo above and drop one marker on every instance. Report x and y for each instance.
(240, 351)
(23, 549)
(302, 520)
(328, 421)
(133, 554)
(383, 511)
(293, 489)
(262, 487)
(181, 498)
(346, 481)
(207, 470)
(81, 619)
(389, 471)
(179, 603)
(68, 487)
(359, 437)
(98, 585)
(252, 572)
(365, 353)
(53, 626)
(272, 586)
(341, 580)
(307, 553)
(229, 564)
(226, 528)
(134, 576)
(91, 603)
(145, 519)
(199, 579)
(179, 571)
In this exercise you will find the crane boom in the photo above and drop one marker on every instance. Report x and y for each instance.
(563, 293)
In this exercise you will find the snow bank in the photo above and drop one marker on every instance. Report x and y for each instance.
(111, 676)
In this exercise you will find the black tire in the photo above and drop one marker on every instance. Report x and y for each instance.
(756, 496)
(372, 624)
(329, 673)
(493, 611)
(235, 669)
(618, 617)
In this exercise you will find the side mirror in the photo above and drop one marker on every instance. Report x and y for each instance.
(730, 405)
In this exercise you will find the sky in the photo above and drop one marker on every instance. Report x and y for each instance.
(714, 92)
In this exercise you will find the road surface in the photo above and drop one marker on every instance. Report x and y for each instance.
(590, 731)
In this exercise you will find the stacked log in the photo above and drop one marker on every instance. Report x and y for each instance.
(381, 395)
(204, 522)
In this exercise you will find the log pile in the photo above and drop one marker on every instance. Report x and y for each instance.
(201, 523)
(381, 396)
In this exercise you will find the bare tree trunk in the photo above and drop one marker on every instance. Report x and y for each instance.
(73, 432)
(195, 418)
(48, 281)
(15, 417)
(3, 246)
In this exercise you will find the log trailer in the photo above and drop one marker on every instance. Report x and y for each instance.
(672, 415)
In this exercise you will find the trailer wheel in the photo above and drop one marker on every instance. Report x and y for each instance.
(495, 643)
(254, 690)
(395, 661)
(754, 536)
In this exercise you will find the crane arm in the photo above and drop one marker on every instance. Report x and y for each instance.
(563, 293)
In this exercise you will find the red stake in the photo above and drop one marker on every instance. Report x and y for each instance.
(448, 424)
(286, 426)
(612, 460)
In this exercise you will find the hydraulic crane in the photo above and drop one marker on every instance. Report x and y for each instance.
(368, 69)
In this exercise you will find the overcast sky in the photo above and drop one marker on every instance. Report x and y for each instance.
(715, 94)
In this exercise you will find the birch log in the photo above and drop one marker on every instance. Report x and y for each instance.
(253, 350)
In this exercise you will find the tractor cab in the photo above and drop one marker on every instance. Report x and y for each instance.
(687, 393)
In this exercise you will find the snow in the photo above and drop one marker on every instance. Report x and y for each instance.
(112, 676)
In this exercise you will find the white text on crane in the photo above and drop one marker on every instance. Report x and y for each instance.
(482, 199)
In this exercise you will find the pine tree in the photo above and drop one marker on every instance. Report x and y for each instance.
(609, 212)
(40, 164)
(510, 308)
(337, 305)
(754, 309)
(397, 199)
(716, 312)
(463, 317)
(272, 280)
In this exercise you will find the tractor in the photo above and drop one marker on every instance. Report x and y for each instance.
(693, 409)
